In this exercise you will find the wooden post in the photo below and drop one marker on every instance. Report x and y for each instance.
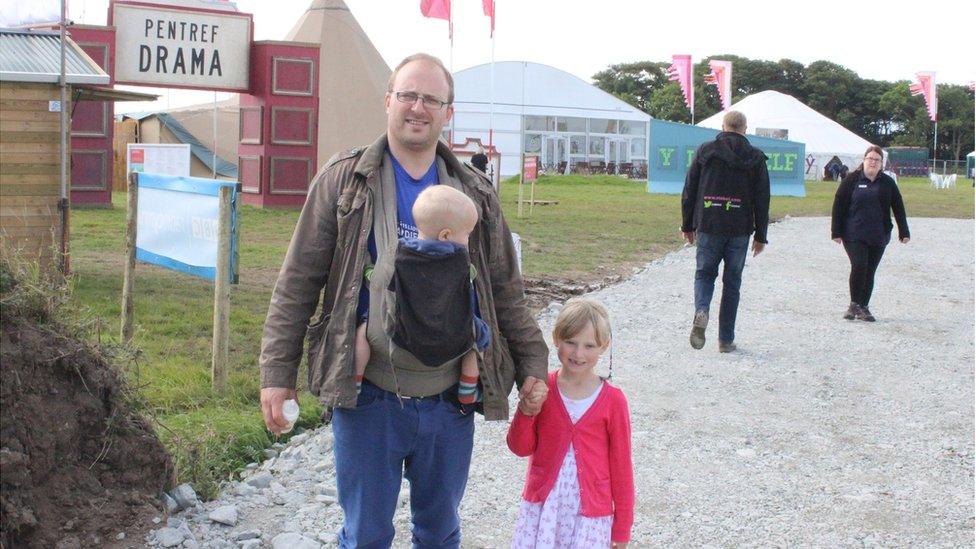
(221, 316)
(128, 277)
(521, 175)
(531, 197)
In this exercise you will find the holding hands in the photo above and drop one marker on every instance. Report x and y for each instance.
(532, 395)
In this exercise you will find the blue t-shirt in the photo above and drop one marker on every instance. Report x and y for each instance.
(407, 189)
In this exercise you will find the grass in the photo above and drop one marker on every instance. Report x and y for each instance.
(601, 225)
(604, 224)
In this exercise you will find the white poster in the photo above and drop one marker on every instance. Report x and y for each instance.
(156, 46)
(165, 159)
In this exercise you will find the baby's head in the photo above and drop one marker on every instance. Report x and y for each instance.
(577, 316)
(444, 213)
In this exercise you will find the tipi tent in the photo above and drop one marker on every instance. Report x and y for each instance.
(824, 138)
(352, 84)
(352, 77)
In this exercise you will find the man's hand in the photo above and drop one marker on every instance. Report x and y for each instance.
(757, 247)
(905, 240)
(272, 398)
(532, 395)
(689, 237)
(618, 545)
(839, 240)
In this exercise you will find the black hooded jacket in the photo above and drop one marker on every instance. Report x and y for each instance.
(727, 189)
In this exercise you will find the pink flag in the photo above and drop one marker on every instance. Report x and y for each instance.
(438, 9)
(680, 70)
(926, 88)
(489, 7)
(721, 78)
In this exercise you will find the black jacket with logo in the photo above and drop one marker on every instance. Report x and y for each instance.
(727, 189)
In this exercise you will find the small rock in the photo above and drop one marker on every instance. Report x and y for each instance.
(322, 498)
(120, 536)
(185, 496)
(746, 452)
(262, 480)
(250, 544)
(226, 514)
(171, 505)
(157, 520)
(269, 453)
(247, 534)
(292, 540)
(169, 537)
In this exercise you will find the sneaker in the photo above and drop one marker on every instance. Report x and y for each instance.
(726, 346)
(852, 311)
(698, 326)
(864, 314)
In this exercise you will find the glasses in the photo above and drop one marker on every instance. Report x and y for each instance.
(428, 101)
(872, 159)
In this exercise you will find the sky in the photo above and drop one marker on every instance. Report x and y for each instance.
(583, 38)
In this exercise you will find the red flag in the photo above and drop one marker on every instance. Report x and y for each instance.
(680, 70)
(721, 78)
(926, 88)
(438, 9)
(489, 7)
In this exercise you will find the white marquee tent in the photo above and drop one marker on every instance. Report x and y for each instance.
(824, 138)
(544, 111)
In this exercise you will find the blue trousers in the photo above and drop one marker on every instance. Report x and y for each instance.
(712, 250)
(429, 440)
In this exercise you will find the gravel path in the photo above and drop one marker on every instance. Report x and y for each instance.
(818, 432)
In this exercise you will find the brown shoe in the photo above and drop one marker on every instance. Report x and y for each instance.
(698, 326)
(852, 311)
(726, 346)
(864, 314)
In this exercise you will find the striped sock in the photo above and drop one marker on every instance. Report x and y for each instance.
(359, 383)
(468, 389)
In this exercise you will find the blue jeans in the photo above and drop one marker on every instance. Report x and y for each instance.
(712, 250)
(429, 440)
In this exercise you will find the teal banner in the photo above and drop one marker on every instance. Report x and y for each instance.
(673, 147)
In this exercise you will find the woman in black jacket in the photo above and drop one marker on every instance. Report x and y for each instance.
(861, 221)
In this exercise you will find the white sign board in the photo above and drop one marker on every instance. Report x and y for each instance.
(181, 48)
(165, 159)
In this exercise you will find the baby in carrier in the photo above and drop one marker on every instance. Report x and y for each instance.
(437, 317)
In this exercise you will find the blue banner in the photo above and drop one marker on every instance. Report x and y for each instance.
(673, 147)
(177, 223)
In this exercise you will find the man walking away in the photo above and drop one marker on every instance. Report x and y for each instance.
(726, 199)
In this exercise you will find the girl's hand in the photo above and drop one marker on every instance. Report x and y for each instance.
(617, 545)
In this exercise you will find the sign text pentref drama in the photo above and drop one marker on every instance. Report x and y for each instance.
(156, 46)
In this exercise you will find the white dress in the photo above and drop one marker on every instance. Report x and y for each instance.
(557, 522)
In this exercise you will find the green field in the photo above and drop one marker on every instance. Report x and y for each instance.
(600, 225)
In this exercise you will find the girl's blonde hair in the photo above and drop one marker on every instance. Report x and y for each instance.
(576, 314)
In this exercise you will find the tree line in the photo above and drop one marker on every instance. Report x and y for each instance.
(884, 113)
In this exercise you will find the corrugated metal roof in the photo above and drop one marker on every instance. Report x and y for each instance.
(34, 56)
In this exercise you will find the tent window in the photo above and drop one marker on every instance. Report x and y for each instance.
(630, 127)
(597, 145)
(577, 144)
(638, 148)
(602, 125)
(540, 123)
(571, 124)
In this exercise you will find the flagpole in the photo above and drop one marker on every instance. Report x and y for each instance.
(935, 147)
(491, 93)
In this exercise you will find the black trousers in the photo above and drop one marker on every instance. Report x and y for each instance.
(864, 263)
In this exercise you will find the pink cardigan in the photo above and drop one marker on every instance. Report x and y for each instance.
(601, 442)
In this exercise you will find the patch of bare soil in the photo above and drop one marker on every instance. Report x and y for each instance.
(77, 466)
(540, 291)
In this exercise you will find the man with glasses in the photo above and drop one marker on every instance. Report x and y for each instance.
(406, 419)
(725, 200)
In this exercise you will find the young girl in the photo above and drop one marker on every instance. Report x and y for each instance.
(579, 490)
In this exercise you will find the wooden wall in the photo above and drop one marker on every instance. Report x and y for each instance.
(29, 170)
